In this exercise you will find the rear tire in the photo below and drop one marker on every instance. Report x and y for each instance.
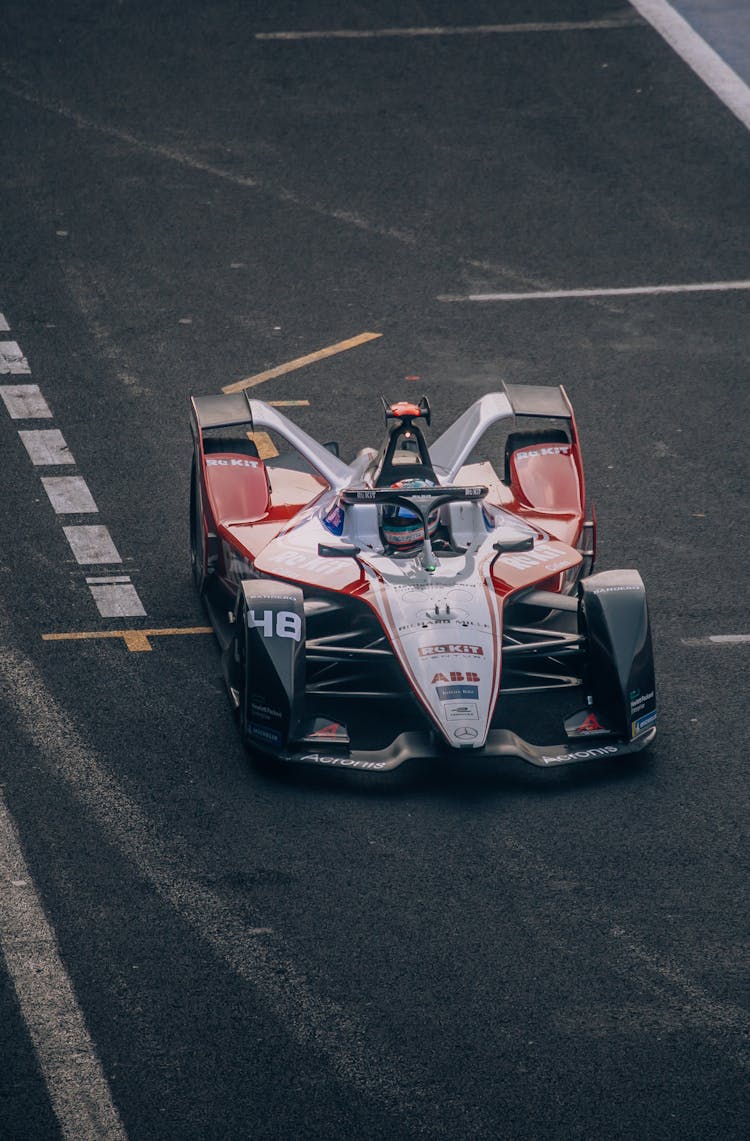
(197, 535)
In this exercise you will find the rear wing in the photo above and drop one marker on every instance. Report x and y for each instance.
(450, 451)
(236, 409)
(230, 411)
(548, 401)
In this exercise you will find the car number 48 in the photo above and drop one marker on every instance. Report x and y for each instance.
(288, 624)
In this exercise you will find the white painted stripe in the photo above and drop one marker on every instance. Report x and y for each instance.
(46, 447)
(25, 402)
(92, 544)
(718, 640)
(69, 494)
(108, 578)
(697, 54)
(628, 291)
(453, 30)
(78, 1090)
(4, 326)
(117, 600)
(12, 359)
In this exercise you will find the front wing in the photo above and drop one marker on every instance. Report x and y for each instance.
(500, 743)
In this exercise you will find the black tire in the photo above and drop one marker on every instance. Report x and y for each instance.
(197, 539)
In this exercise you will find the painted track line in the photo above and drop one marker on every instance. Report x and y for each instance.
(301, 362)
(117, 600)
(4, 326)
(46, 447)
(697, 54)
(78, 1090)
(69, 495)
(92, 543)
(25, 402)
(604, 24)
(718, 640)
(627, 291)
(12, 359)
(135, 640)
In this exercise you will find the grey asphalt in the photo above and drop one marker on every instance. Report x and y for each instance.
(453, 951)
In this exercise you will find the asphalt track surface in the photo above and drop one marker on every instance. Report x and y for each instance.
(462, 951)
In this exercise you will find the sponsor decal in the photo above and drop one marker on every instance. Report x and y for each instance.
(457, 692)
(461, 711)
(334, 520)
(329, 732)
(643, 723)
(527, 453)
(456, 675)
(589, 725)
(311, 564)
(638, 700)
(465, 733)
(581, 754)
(451, 648)
(263, 733)
(288, 624)
(263, 711)
(341, 762)
(613, 589)
(231, 463)
(537, 557)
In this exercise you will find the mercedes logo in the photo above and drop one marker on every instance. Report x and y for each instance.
(465, 733)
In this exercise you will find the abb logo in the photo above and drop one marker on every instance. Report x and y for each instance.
(455, 675)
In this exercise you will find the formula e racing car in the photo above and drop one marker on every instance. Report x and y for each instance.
(416, 601)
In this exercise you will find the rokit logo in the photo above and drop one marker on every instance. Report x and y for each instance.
(538, 557)
(231, 463)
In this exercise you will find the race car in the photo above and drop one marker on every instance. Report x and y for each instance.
(418, 601)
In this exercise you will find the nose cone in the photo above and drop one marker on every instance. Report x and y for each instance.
(448, 641)
(455, 675)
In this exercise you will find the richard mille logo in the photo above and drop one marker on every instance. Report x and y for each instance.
(465, 733)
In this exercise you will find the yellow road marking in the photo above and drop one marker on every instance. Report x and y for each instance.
(265, 445)
(300, 362)
(289, 403)
(135, 640)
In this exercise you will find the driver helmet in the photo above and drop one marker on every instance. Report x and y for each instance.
(402, 528)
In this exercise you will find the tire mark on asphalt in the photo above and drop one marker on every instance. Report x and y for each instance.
(256, 955)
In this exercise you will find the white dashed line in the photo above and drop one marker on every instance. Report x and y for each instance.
(117, 600)
(69, 494)
(115, 597)
(25, 402)
(628, 291)
(705, 62)
(78, 1090)
(92, 544)
(4, 326)
(47, 447)
(12, 359)
(457, 30)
